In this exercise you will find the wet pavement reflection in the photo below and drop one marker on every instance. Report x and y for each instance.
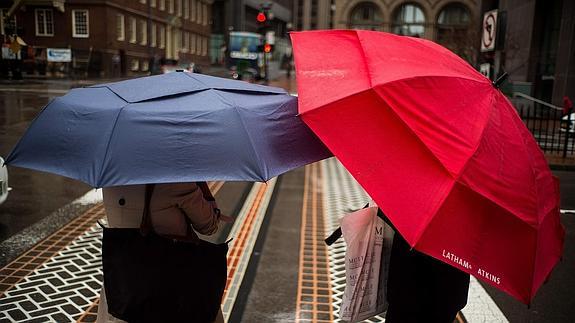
(34, 194)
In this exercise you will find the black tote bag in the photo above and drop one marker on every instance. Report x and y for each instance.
(153, 278)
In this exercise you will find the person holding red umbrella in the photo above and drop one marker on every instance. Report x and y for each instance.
(440, 149)
(421, 288)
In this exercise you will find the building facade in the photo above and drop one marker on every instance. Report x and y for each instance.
(451, 23)
(535, 46)
(108, 38)
(313, 14)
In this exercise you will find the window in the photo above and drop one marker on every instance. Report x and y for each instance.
(185, 41)
(80, 24)
(198, 44)
(133, 30)
(120, 29)
(143, 1)
(162, 4)
(193, 10)
(205, 46)
(177, 41)
(162, 37)
(134, 65)
(186, 9)
(153, 35)
(199, 12)
(7, 25)
(180, 5)
(44, 22)
(153, 3)
(455, 15)
(453, 30)
(2, 22)
(193, 44)
(171, 6)
(143, 32)
(205, 14)
(409, 20)
(366, 16)
(145, 65)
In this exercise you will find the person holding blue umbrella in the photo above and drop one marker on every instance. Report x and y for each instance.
(173, 208)
(168, 132)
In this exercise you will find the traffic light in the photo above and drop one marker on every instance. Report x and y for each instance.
(262, 17)
(266, 48)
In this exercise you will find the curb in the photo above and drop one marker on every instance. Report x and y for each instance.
(568, 168)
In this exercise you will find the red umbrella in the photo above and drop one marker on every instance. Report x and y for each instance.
(439, 148)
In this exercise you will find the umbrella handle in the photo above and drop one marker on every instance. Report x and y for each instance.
(500, 80)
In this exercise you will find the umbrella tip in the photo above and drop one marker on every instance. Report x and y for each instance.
(497, 83)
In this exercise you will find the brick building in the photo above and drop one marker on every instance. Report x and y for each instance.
(108, 38)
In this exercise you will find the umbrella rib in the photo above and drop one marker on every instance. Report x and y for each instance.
(109, 141)
(414, 134)
(11, 156)
(258, 90)
(258, 160)
(364, 58)
(417, 136)
(529, 158)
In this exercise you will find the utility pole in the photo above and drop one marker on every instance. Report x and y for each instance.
(263, 19)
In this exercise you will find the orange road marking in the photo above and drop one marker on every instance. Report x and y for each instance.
(314, 296)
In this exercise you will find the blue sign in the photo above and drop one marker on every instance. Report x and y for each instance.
(63, 55)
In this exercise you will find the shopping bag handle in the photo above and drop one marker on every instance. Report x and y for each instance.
(335, 235)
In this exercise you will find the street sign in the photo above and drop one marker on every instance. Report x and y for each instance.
(489, 31)
(61, 55)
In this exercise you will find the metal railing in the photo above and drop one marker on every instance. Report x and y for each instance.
(554, 131)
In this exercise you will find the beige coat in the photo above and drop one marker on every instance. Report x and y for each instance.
(168, 206)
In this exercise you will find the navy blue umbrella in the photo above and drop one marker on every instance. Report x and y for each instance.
(175, 127)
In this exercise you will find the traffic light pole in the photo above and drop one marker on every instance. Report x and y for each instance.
(263, 21)
(266, 69)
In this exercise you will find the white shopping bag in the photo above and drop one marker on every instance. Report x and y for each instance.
(368, 240)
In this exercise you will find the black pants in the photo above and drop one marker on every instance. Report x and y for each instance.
(422, 289)
(396, 314)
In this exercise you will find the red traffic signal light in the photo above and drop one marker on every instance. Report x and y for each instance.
(267, 48)
(261, 18)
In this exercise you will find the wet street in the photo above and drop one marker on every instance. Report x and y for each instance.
(34, 194)
(280, 269)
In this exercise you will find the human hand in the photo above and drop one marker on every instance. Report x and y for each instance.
(227, 218)
(213, 204)
(221, 217)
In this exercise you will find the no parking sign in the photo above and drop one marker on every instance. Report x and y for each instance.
(489, 31)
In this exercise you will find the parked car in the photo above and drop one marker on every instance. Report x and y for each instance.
(171, 65)
(4, 189)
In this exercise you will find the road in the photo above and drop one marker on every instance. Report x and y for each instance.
(34, 195)
(37, 196)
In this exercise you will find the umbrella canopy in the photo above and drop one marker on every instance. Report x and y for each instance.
(439, 148)
(175, 127)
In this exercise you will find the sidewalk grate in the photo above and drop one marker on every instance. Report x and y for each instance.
(314, 296)
(66, 281)
(32, 259)
(343, 195)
